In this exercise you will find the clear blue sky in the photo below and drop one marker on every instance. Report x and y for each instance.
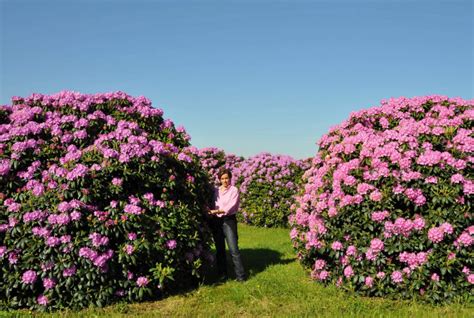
(245, 76)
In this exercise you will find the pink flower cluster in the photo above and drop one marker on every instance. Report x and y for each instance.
(413, 260)
(466, 238)
(436, 234)
(379, 216)
(403, 226)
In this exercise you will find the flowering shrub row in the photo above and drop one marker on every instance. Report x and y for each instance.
(268, 184)
(387, 205)
(101, 199)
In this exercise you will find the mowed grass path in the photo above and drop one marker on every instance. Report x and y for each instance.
(277, 287)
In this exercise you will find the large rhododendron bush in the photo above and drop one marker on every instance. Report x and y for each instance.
(387, 203)
(101, 199)
(268, 184)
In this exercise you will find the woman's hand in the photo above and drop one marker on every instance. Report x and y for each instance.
(216, 212)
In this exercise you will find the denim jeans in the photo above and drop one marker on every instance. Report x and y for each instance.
(225, 229)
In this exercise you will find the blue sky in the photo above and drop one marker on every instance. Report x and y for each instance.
(244, 76)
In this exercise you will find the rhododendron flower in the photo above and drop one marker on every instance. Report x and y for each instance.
(29, 277)
(142, 281)
(117, 182)
(337, 246)
(447, 228)
(71, 271)
(3, 250)
(470, 278)
(436, 234)
(379, 216)
(376, 245)
(325, 274)
(351, 250)
(49, 283)
(457, 178)
(348, 272)
(319, 264)
(376, 196)
(465, 239)
(397, 277)
(171, 244)
(418, 223)
(42, 300)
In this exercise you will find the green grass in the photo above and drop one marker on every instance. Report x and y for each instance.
(277, 287)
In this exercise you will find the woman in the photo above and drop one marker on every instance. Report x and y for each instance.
(224, 225)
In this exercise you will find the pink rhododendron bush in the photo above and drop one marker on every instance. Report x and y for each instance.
(268, 184)
(387, 206)
(101, 200)
(213, 159)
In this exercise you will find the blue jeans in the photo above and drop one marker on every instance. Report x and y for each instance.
(225, 229)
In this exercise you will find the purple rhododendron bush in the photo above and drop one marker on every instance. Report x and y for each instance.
(268, 184)
(101, 200)
(387, 203)
(213, 159)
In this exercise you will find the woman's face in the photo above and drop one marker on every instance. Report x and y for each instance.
(225, 180)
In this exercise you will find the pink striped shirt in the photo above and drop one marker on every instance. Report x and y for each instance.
(227, 201)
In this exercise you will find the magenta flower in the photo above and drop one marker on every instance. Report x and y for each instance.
(117, 182)
(42, 300)
(379, 216)
(470, 278)
(142, 281)
(319, 264)
(369, 281)
(376, 245)
(53, 241)
(133, 209)
(447, 228)
(128, 249)
(457, 178)
(49, 283)
(348, 272)
(29, 277)
(435, 234)
(324, 275)
(351, 251)
(171, 244)
(3, 250)
(376, 196)
(337, 246)
(465, 239)
(418, 223)
(397, 277)
(71, 271)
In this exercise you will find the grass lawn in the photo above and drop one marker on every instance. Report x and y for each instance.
(277, 287)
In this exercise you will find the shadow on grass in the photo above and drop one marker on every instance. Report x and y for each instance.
(255, 260)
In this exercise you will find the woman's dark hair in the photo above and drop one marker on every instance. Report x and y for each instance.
(223, 172)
